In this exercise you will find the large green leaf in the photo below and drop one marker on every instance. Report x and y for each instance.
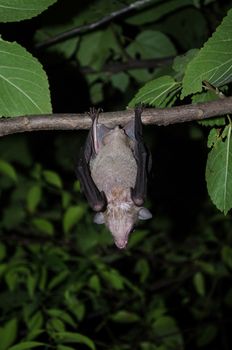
(151, 44)
(23, 82)
(213, 62)
(101, 41)
(219, 173)
(17, 10)
(159, 92)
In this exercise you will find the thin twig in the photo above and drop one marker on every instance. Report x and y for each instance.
(116, 67)
(155, 116)
(91, 26)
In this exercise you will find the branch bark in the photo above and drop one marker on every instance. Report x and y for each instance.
(155, 116)
(91, 26)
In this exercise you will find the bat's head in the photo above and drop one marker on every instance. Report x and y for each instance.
(120, 217)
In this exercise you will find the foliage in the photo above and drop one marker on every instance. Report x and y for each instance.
(17, 10)
(23, 84)
(63, 283)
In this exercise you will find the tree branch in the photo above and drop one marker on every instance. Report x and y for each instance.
(155, 116)
(116, 67)
(91, 26)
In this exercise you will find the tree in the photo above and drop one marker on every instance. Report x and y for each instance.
(64, 284)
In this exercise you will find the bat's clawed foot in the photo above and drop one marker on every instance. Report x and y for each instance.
(94, 112)
(138, 200)
(101, 204)
(139, 109)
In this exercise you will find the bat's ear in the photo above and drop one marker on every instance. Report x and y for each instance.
(99, 218)
(144, 214)
(129, 129)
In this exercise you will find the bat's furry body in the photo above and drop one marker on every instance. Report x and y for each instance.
(111, 166)
(114, 172)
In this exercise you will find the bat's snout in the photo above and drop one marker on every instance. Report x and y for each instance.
(121, 244)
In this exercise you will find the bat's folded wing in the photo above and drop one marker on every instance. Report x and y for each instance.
(141, 154)
(95, 198)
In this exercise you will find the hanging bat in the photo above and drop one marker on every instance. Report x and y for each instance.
(112, 171)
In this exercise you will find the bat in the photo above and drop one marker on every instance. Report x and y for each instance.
(112, 170)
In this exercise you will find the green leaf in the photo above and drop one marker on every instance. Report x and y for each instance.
(55, 281)
(219, 173)
(64, 316)
(158, 92)
(91, 44)
(180, 62)
(151, 44)
(124, 316)
(213, 62)
(165, 327)
(96, 92)
(66, 199)
(23, 82)
(34, 334)
(33, 198)
(68, 337)
(7, 169)
(17, 10)
(55, 326)
(11, 279)
(199, 283)
(213, 137)
(72, 216)
(31, 284)
(52, 178)
(77, 186)
(95, 284)
(120, 81)
(35, 322)
(43, 225)
(26, 345)
(113, 278)
(8, 333)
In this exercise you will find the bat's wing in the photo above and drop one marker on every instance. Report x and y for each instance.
(142, 156)
(95, 198)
